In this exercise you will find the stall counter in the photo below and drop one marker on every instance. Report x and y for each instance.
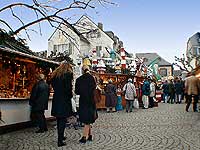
(17, 110)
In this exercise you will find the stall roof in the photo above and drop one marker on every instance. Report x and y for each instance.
(6, 49)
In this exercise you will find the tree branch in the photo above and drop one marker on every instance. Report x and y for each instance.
(45, 11)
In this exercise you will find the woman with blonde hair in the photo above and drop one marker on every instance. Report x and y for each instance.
(61, 81)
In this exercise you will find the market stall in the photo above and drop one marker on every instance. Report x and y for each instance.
(17, 76)
(118, 79)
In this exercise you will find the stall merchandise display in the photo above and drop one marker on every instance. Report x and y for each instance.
(18, 74)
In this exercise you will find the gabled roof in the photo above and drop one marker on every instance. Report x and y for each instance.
(94, 24)
(73, 29)
(151, 56)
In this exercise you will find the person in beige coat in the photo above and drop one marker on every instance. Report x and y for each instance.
(192, 89)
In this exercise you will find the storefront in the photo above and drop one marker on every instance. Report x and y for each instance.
(17, 75)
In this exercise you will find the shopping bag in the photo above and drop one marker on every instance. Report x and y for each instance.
(73, 105)
(136, 103)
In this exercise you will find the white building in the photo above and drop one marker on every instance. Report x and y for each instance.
(98, 39)
(69, 42)
(81, 40)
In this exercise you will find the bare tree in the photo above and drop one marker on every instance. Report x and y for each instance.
(185, 62)
(46, 10)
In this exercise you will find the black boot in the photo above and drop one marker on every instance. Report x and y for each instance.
(61, 144)
(83, 140)
(40, 131)
(64, 138)
(90, 138)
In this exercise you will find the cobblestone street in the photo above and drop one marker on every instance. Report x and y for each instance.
(167, 127)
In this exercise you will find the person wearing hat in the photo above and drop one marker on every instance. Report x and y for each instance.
(85, 86)
(39, 102)
(130, 94)
(61, 81)
(111, 96)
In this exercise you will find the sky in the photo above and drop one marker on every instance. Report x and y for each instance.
(161, 26)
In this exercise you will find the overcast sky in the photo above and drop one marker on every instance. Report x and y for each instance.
(161, 26)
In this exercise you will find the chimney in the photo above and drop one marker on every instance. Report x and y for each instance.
(100, 25)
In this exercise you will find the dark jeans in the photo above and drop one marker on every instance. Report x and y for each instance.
(41, 120)
(60, 127)
(189, 100)
(151, 102)
(171, 98)
(129, 105)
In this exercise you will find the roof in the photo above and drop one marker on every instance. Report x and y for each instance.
(6, 49)
(17, 47)
(152, 56)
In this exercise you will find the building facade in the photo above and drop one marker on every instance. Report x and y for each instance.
(83, 39)
(67, 41)
(98, 39)
(193, 50)
(165, 68)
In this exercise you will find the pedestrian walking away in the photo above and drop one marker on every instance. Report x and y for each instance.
(130, 94)
(61, 81)
(192, 89)
(85, 86)
(145, 93)
(152, 93)
(111, 96)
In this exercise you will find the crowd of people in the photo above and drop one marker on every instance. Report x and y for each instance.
(178, 90)
(62, 83)
(87, 89)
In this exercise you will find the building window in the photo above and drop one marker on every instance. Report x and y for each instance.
(98, 50)
(163, 72)
(55, 49)
(63, 48)
(98, 34)
(198, 51)
(93, 34)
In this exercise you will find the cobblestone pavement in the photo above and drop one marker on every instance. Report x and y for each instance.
(167, 127)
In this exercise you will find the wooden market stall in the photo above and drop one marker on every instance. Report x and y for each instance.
(17, 75)
(118, 79)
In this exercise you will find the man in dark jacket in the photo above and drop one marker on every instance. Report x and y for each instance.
(39, 102)
(178, 91)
